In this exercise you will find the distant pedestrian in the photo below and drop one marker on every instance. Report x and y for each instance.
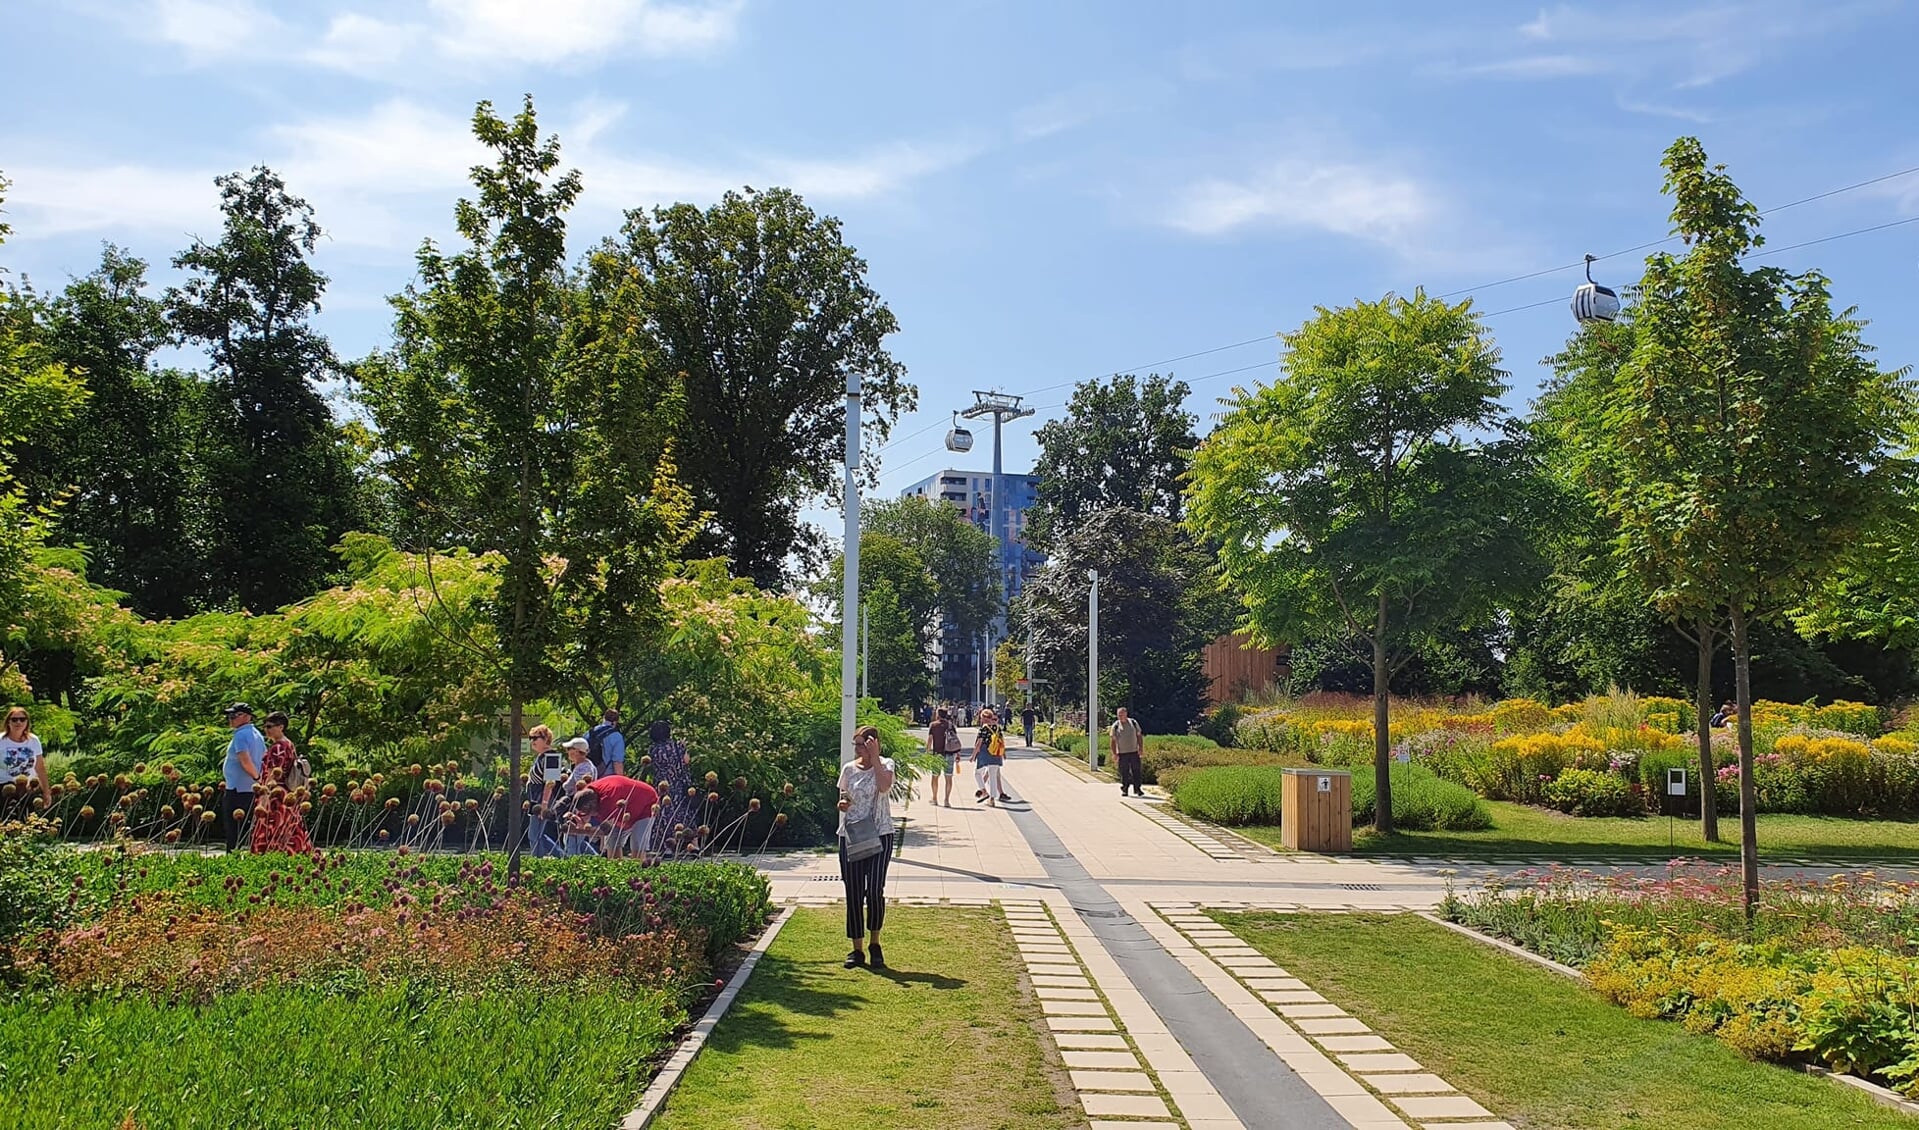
(241, 772)
(606, 745)
(1028, 718)
(276, 815)
(543, 779)
(672, 768)
(943, 742)
(23, 767)
(1728, 714)
(1128, 744)
(866, 844)
(579, 773)
(989, 755)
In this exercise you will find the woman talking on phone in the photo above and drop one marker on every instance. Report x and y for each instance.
(866, 844)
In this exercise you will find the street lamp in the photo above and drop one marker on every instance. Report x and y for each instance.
(850, 589)
(1092, 671)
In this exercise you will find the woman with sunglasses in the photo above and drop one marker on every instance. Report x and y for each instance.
(866, 843)
(276, 821)
(23, 766)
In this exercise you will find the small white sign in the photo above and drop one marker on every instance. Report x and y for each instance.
(1675, 782)
(1325, 784)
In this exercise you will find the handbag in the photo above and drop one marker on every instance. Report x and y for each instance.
(863, 837)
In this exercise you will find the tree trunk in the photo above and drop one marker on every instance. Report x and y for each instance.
(1382, 730)
(1708, 792)
(514, 822)
(1748, 795)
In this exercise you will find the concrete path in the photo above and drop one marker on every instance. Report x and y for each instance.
(1106, 888)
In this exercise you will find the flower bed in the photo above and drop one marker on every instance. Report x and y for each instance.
(346, 962)
(1827, 972)
(1608, 755)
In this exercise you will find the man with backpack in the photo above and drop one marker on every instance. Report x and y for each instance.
(606, 746)
(943, 741)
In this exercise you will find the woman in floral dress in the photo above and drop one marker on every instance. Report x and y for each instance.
(277, 825)
(673, 776)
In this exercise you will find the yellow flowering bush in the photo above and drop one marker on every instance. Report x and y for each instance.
(1521, 716)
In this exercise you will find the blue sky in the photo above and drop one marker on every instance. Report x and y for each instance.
(1045, 191)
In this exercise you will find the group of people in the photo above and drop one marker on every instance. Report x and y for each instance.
(578, 800)
(989, 756)
(962, 714)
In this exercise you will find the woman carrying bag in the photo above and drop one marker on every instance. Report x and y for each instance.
(866, 843)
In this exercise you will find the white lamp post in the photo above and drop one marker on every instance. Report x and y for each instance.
(850, 589)
(1092, 671)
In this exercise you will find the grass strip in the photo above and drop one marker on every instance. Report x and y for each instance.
(1535, 1048)
(947, 1037)
(1521, 831)
(306, 1059)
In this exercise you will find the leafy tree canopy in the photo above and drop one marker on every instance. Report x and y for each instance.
(1123, 442)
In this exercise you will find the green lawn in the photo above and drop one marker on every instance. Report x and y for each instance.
(1523, 832)
(313, 1059)
(947, 1038)
(1535, 1048)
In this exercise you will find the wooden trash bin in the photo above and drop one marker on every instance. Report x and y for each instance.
(1316, 810)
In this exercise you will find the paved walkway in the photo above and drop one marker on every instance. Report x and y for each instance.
(1165, 1020)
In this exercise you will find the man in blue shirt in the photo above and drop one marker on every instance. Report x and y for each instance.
(612, 743)
(245, 755)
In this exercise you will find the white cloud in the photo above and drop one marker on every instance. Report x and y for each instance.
(554, 31)
(1536, 67)
(445, 35)
(1352, 200)
(382, 178)
(213, 29)
(1692, 47)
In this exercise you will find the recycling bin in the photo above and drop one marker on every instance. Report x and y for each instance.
(1316, 810)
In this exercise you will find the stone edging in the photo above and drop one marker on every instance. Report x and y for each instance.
(1505, 946)
(1882, 1095)
(682, 1058)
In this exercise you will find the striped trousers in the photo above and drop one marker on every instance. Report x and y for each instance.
(865, 881)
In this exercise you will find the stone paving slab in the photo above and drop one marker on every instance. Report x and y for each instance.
(1407, 1084)
(1139, 1106)
(1440, 1106)
(1111, 1081)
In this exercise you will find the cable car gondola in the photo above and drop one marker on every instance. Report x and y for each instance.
(1593, 303)
(959, 439)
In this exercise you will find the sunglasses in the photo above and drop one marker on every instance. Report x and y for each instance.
(12, 718)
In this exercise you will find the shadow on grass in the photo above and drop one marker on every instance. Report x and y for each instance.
(931, 980)
(781, 984)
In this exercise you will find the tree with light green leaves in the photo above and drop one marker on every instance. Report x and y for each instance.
(520, 415)
(1376, 489)
(962, 558)
(1756, 439)
(901, 603)
(38, 395)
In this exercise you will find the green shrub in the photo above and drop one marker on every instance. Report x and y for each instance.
(1219, 724)
(1592, 792)
(1231, 794)
(1161, 760)
(1421, 801)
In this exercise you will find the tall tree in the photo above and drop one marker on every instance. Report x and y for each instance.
(765, 310)
(1756, 438)
(901, 601)
(131, 452)
(521, 416)
(279, 491)
(1160, 605)
(1594, 568)
(1361, 494)
(1123, 442)
(38, 395)
(962, 558)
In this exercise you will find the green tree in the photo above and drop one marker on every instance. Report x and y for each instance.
(901, 602)
(1756, 439)
(1123, 442)
(279, 490)
(1373, 491)
(38, 395)
(962, 558)
(764, 309)
(1159, 606)
(130, 454)
(1009, 669)
(1874, 594)
(520, 418)
(1596, 572)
